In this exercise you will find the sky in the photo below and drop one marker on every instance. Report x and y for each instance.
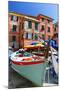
(30, 8)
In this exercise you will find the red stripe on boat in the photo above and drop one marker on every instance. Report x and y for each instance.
(28, 63)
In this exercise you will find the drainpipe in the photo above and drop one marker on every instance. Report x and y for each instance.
(22, 28)
(19, 31)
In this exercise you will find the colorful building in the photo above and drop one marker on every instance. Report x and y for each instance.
(56, 27)
(23, 29)
(46, 26)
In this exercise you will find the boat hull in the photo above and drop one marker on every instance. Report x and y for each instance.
(34, 73)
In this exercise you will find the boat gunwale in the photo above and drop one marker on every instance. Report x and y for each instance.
(28, 63)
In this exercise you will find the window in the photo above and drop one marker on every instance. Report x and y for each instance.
(11, 17)
(36, 26)
(14, 38)
(43, 36)
(30, 24)
(48, 37)
(14, 28)
(43, 19)
(42, 27)
(14, 18)
(36, 37)
(26, 35)
(48, 21)
(48, 29)
(17, 19)
(32, 35)
(29, 36)
(55, 29)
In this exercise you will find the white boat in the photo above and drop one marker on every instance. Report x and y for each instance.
(54, 56)
(29, 66)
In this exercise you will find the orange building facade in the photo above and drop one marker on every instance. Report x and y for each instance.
(23, 29)
(46, 26)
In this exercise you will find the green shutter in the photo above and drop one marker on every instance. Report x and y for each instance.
(42, 27)
(48, 29)
(14, 38)
(36, 37)
(30, 24)
(14, 28)
(36, 26)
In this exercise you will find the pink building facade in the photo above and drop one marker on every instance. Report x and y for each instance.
(23, 29)
(46, 26)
